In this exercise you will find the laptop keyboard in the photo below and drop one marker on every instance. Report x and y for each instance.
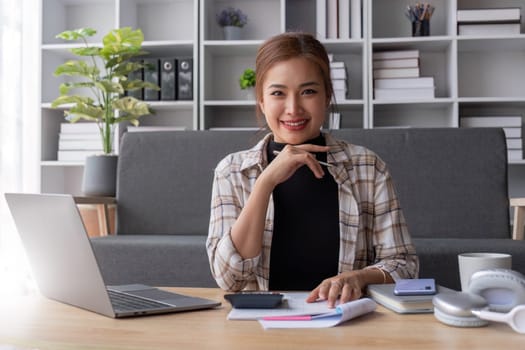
(126, 302)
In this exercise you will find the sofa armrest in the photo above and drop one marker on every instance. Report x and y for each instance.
(103, 204)
(519, 217)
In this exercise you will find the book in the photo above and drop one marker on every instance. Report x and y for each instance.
(338, 73)
(340, 95)
(489, 29)
(344, 19)
(403, 304)
(355, 19)
(514, 154)
(95, 145)
(395, 54)
(82, 127)
(132, 128)
(339, 84)
(390, 83)
(331, 19)
(320, 20)
(514, 143)
(489, 14)
(80, 136)
(396, 63)
(512, 132)
(404, 93)
(76, 155)
(341, 313)
(491, 121)
(396, 73)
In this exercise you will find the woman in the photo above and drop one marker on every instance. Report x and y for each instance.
(302, 210)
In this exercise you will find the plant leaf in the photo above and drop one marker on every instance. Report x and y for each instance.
(65, 99)
(84, 111)
(86, 51)
(122, 40)
(109, 87)
(76, 34)
(130, 109)
(76, 68)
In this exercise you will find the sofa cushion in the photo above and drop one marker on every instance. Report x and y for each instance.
(452, 183)
(165, 179)
(157, 260)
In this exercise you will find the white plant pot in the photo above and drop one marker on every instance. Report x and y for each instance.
(232, 33)
(100, 175)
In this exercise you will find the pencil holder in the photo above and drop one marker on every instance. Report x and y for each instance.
(421, 28)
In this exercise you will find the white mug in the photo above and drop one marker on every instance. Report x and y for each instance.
(472, 262)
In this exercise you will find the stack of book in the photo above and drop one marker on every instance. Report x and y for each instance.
(338, 19)
(489, 21)
(339, 77)
(76, 141)
(334, 120)
(397, 76)
(511, 126)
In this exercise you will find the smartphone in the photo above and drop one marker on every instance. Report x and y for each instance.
(418, 286)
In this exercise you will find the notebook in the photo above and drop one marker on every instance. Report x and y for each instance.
(403, 304)
(65, 267)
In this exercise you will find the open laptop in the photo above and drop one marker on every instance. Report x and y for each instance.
(66, 269)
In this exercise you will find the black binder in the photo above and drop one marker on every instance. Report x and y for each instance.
(185, 78)
(168, 79)
(151, 75)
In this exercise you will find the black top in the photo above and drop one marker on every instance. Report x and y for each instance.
(305, 243)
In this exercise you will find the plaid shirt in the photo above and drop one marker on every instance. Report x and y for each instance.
(373, 231)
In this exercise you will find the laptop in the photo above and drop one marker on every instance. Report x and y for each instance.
(65, 267)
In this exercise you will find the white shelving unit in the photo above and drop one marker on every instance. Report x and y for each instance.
(170, 29)
(473, 75)
(223, 103)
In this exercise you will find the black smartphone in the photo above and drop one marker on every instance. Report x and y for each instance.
(255, 300)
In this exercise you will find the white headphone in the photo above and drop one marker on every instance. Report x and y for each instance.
(499, 290)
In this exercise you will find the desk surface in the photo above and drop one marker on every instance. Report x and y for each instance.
(34, 322)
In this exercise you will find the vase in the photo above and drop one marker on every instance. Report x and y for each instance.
(232, 33)
(100, 175)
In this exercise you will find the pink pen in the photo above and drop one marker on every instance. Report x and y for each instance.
(287, 318)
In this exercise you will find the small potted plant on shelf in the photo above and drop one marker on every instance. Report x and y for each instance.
(103, 71)
(232, 20)
(247, 81)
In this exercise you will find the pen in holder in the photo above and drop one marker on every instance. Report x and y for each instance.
(419, 15)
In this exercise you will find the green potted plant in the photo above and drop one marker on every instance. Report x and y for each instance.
(232, 19)
(247, 81)
(104, 71)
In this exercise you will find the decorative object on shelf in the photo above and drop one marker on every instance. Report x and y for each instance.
(419, 15)
(232, 20)
(247, 81)
(104, 72)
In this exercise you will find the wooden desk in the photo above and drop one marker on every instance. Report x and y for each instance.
(34, 322)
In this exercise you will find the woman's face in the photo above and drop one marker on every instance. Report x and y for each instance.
(294, 101)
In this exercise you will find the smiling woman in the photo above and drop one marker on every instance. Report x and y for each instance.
(302, 210)
(19, 156)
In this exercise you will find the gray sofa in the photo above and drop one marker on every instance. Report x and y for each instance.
(452, 184)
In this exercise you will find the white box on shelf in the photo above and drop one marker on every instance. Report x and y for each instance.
(404, 82)
(489, 14)
(404, 93)
(492, 121)
(514, 143)
(396, 63)
(395, 54)
(515, 154)
(396, 73)
(512, 132)
(489, 29)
